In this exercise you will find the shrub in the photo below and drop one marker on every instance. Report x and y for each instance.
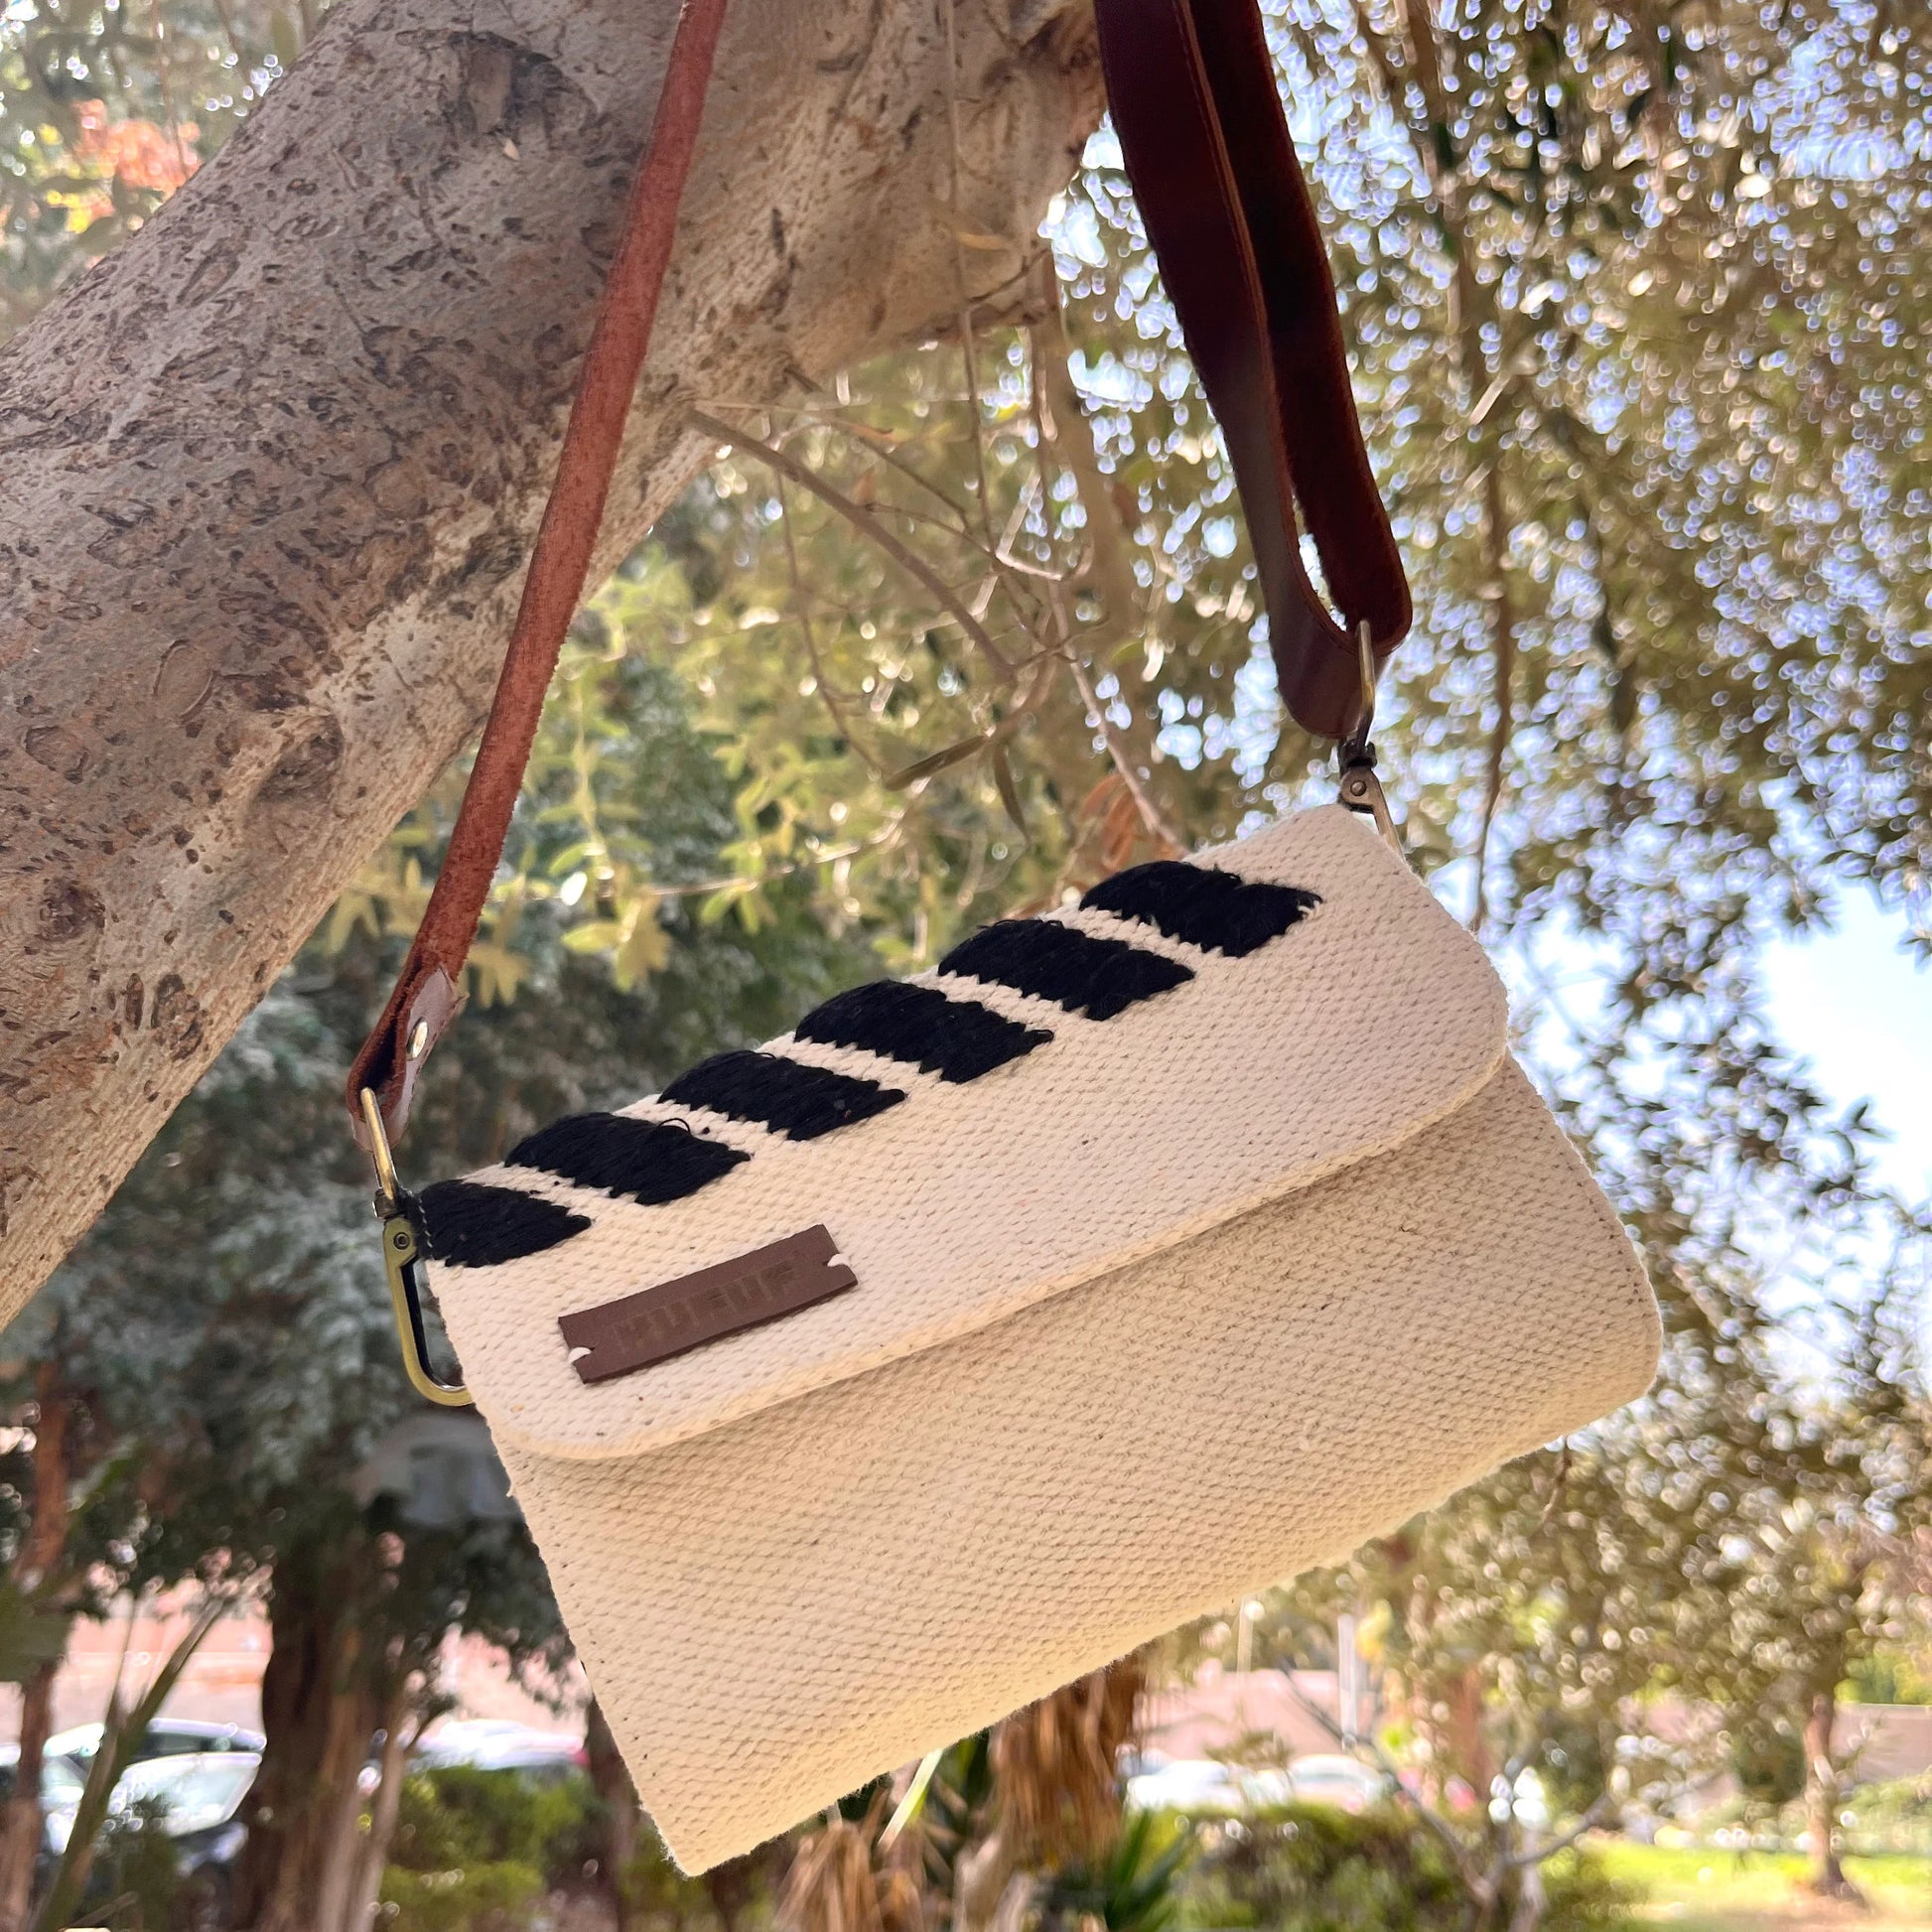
(475, 1850)
(461, 1815)
(492, 1897)
(1134, 1888)
(1313, 1868)
(136, 1873)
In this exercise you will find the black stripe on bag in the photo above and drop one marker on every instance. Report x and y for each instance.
(959, 1040)
(799, 1101)
(1219, 911)
(1097, 977)
(650, 1160)
(466, 1225)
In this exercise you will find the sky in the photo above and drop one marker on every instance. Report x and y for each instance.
(1857, 1006)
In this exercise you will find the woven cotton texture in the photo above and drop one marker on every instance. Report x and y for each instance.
(1151, 1317)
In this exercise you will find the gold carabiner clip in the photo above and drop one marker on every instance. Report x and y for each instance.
(1361, 790)
(403, 1260)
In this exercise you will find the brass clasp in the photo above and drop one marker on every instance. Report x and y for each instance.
(404, 1263)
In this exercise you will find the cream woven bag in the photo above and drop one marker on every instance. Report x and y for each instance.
(861, 1390)
(1192, 1237)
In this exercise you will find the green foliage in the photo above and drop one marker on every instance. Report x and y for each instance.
(1887, 1676)
(1768, 1764)
(459, 1817)
(105, 110)
(1313, 1869)
(475, 1898)
(31, 1635)
(136, 1882)
(1892, 1814)
(958, 1809)
(477, 1849)
(1134, 1889)
(1584, 1896)
(652, 1890)
(1708, 1888)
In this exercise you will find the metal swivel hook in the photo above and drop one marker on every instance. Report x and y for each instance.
(1361, 790)
(404, 1262)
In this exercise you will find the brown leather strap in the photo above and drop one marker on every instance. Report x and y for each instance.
(1207, 149)
(427, 993)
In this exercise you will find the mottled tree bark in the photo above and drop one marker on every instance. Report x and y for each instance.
(319, 1713)
(399, 1724)
(272, 468)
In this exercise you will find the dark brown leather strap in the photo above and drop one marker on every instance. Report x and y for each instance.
(1191, 88)
(428, 993)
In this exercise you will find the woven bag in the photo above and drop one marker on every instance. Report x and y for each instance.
(1176, 1243)
(865, 1387)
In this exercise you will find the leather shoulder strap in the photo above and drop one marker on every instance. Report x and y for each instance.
(1191, 88)
(426, 991)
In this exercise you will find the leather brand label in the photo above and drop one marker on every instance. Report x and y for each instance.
(656, 1323)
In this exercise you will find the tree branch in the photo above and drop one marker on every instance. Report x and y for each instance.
(1454, 1845)
(867, 524)
(245, 628)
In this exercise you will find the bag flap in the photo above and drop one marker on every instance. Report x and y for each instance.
(1305, 1031)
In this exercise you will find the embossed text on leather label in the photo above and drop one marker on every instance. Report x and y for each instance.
(658, 1322)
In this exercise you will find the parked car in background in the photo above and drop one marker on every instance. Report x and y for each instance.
(188, 1778)
(164, 1737)
(1207, 1788)
(500, 1744)
(196, 1798)
(1328, 1778)
(1203, 1787)
(60, 1785)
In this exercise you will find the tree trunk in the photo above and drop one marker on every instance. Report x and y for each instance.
(319, 1717)
(339, 1791)
(1465, 1746)
(42, 1555)
(1532, 1898)
(20, 1822)
(374, 1854)
(619, 1798)
(1827, 1877)
(274, 467)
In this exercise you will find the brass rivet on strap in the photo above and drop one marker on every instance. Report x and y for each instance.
(418, 1039)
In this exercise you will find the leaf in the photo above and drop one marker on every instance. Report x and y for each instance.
(647, 947)
(30, 1633)
(285, 39)
(718, 904)
(937, 762)
(497, 973)
(1008, 791)
(594, 935)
